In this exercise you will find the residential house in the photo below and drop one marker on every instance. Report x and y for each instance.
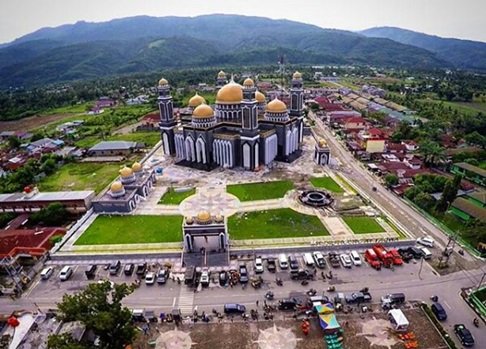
(410, 145)
(109, 148)
(472, 173)
(472, 206)
(355, 123)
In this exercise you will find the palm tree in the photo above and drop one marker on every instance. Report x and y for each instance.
(432, 152)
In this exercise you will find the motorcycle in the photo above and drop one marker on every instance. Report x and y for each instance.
(279, 281)
(304, 283)
(269, 295)
(311, 292)
(331, 289)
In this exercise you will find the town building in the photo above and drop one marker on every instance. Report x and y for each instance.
(108, 148)
(240, 131)
(470, 207)
(470, 172)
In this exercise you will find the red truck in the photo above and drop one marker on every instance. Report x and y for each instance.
(397, 259)
(372, 259)
(383, 255)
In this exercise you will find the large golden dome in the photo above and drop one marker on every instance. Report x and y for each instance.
(116, 186)
(163, 82)
(231, 93)
(221, 74)
(260, 97)
(196, 100)
(297, 76)
(203, 111)
(203, 217)
(248, 82)
(126, 172)
(136, 167)
(276, 106)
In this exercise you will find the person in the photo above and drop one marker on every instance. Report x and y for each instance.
(476, 322)
(257, 302)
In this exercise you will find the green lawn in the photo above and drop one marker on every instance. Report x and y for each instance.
(326, 183)
(107, 230)
(80, 176)
(149, 138)
(172, 197)
(260, 191)
(70, 109)
(363, 225)
(279, 223)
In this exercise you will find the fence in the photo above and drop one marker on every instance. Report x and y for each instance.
(73, 230)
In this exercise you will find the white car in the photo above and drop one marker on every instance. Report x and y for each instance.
(426, 253)
(65, 273)
(345, 260)
(204, 278)
(46, 273)
(426, 241)
(150, 278)
(258, 265)
(355, 258)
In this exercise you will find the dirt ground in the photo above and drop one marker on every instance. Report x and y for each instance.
(360, 331)
(31, 123)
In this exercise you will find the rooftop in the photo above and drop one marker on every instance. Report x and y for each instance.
(48, 196)
(471, 168)
(470, 208)
(114, 145)
(479, 196)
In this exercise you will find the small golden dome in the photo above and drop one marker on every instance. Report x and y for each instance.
(189, 220)
(248, 82)
(163, 82)
(221, 74)
(297, 76)
(203, 217)
(203, 111)
(219, 218)
(126, 172)
(196, 100)
(136, 167)
(260, 97)
(276, 106)
(116, 186)
(322, 143)
(231, 93)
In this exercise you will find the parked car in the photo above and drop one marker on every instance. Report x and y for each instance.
(46, 273)
(355, 258)
(115, 267)
(243, 274)
(358, 297)
(464, 335)
(282, 261)
(162, 276)
(334, 259)
(345, 260)
(388, 301)
(128, 270)
(439, 311)
(294, 264)
(405, 254)
(65, 273)
(426, 253)
(204, 278)
(415, 252)
(233, 308)
(150, 278)
(258, 265)
(141, 269)
(223, 278)
(271, 265)
(308, 259)
(319, 258)
(302, 274)
(90, 271)
(287, 304)
(426, 241)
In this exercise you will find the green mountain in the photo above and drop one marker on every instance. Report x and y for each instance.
(142, 44)
(464, 54)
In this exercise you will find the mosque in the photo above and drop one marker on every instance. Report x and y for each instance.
(240, 131)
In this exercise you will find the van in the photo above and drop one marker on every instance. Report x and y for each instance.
(115, 267)
(439, 311)
(308, 260)
(65, 273)
(90, 271)
(282, 261)
(234, 308)
(46, 273)
(426, 241)
(426, 253)
(355, 258)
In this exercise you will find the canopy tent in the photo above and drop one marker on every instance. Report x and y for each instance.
(325, 308)
(329, 322)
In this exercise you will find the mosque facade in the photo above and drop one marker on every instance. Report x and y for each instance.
(241, 130)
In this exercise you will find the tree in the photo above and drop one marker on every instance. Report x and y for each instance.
(48, 166)
(99, 308)
(64, 341)
(424, 201)
(54, 214)
(13, 142)
(391, 180)
(433, 153)
(449, 194)
(475, 138)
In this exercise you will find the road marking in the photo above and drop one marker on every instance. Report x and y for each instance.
(447, 305)
(173, 302)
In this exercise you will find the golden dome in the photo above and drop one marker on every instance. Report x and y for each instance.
(297, 76)
(126, 172)
(231, 93)
(203, 217)
(136, 167)
(196, 100)
(276, 106)
(116, 186)
(221, 74)
(189, 220)
(248, 82)
(203, 111)
(219, 218)
(163, 82)
(322, 143)
(260, 97)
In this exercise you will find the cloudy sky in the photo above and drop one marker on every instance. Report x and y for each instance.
(449, 18)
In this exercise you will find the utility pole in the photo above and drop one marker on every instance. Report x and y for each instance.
(420, 270)
(451, 243)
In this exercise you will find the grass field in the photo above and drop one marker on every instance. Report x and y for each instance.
(280, 223)
(172, 197)
(107, 230)
(149, 138)
(260, 191)
(482, 165)
(80, 176)
(363, 225)
(71, 109)
(326, 183)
